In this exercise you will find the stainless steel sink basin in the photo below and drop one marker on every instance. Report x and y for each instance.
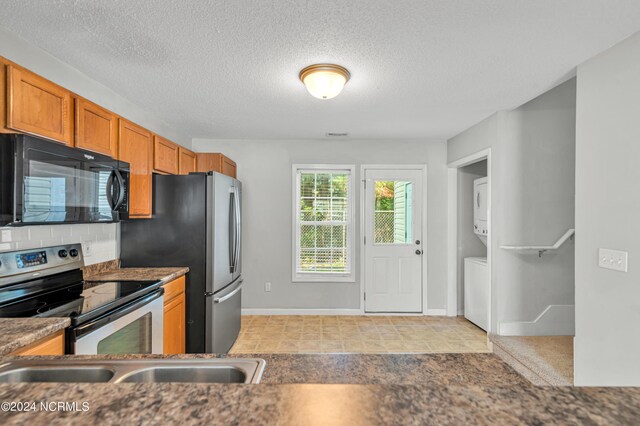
(186, 374)
(216, 370)
(57, 374)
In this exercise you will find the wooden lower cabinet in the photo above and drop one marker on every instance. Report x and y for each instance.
(216, 163)
(50, 345)
(175, 317)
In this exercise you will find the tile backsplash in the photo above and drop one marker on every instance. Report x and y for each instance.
(100, 242)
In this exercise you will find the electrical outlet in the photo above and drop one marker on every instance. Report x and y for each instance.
(86, 248)
(613, 259)
(267, 286)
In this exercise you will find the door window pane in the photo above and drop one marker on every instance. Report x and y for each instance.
(393, 212)
(134, 338)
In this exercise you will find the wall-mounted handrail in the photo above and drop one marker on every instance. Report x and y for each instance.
(541, 249)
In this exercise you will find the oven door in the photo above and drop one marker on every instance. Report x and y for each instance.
(136, 328)
(58, 184)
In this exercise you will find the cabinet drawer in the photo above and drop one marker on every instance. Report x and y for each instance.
(50, 345)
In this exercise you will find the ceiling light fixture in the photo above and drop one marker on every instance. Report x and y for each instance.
(324, 81)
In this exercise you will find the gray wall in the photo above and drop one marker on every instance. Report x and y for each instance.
(532, 184)
(37, 60)
(469, 245)
(264, 166)
(607, 343)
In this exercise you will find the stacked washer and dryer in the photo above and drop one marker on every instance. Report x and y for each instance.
(476, 270)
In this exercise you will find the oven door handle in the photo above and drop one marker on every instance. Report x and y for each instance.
(119, 313)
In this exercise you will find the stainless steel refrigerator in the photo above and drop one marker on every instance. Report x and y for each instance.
(197, 223)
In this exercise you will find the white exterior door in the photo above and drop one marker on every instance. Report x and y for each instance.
(393, 240)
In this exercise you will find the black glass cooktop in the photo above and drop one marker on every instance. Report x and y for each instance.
(81, 301)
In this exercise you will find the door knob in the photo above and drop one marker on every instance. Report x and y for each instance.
(418, 252)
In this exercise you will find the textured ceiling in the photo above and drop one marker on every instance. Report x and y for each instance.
(229, 69)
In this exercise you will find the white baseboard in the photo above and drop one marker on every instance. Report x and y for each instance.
(555, 320)
(266, 311)
(436, 312)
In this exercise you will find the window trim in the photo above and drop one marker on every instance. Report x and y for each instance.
(323, 277)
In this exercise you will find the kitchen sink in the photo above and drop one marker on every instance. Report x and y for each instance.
(216, 370)
(57, 374)
(213, 374)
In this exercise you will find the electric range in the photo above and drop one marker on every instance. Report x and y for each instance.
(106, 317)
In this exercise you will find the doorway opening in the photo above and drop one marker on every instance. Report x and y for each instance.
(470, 290)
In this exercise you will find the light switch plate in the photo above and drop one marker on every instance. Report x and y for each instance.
(267, 286)
(613, 259)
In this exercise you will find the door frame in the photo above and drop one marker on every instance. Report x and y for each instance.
(422, 168)
(452, 232)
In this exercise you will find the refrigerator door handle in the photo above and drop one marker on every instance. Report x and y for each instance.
(228, 296)
(232, 229)
(238, 229)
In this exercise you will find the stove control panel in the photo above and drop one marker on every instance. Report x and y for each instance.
(34, 258)
(37, 262)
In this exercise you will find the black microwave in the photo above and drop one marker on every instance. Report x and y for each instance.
(43, 182)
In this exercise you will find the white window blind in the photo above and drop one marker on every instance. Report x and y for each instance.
(323, 224)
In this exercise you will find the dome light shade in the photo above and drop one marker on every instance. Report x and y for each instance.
(324, 81)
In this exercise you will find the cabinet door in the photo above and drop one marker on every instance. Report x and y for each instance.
(39, 107)
(165, 155)
(205, 162)
(3, 96)
(50, 345)
(135, 148)
(187, 161)
(174, 325)
(96, 128)
(227, 166)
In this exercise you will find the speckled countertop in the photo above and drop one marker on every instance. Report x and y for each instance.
(456, 399)
(16, 333)
(138, 274)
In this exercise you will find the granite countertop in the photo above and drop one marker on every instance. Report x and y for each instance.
(454, 399)
(138, 274)
(20, 332)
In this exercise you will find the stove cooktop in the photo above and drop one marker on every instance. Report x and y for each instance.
(81, 301)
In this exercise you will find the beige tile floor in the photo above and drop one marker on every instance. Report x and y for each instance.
(358, 334)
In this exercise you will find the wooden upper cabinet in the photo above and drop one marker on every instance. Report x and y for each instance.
(187, 162)
(3, 96)
(227, 166)
(165, 155)
(96, 128)
(217, 163)
(39, 107)
(136, 147)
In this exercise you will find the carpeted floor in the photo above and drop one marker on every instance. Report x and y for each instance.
(548, 358)
(358, 334)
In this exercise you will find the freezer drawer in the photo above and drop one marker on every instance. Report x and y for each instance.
(223, 318)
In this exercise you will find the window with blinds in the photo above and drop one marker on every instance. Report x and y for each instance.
(323, 223)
